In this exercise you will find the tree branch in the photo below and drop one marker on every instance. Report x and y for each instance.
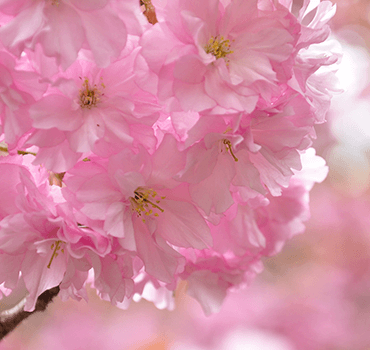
(149, 11)
(9, 322)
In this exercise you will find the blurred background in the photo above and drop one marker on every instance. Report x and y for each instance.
(314, 295)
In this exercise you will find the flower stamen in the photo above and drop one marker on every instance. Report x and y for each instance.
(218, 47)
(143, 202)
(56, 247)
(90, 96)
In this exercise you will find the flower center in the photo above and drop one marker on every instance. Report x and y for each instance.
(56, 246)
(145, 202)
(90, 95)
(55, 2)
(229, 148)
(218, 47)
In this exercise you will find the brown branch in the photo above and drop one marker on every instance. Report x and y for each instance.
(9, 322)
(149, 11)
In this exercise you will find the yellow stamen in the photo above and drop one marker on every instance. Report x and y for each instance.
(90, 96)
(56, 247)
(228, 129)
(143, 205)
(218, 47)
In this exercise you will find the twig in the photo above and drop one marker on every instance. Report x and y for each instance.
(8, 322)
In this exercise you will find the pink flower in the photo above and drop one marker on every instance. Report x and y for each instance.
(248, 231)
(182, 147)
(40, 242)
(257, 153)
(92, 110)
(133, 197)
(213, 56)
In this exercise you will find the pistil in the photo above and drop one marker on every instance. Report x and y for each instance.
(229, 148)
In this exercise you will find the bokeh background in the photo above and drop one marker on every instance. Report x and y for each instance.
(314, 295)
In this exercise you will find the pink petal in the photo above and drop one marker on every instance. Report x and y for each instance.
(200, 163)
(10, 266)
(84, 138)
(113, 223)
(160, 261)
(55, 111)
(46, 138)
(167, 162)
(214, 191)
(208, 289)
(23, 27)
(38, 277)
(189, 69)
(182, 225)
(246, 173)
(228, 97)
(106, 35)
(192, 97)
(65, 36)
(97, 194)
(9, 179)
(89, 5)
(57, 159)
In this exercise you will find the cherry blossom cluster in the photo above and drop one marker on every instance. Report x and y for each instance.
(137, 153)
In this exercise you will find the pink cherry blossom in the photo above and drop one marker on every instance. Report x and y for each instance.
(226, 55)
(258, 152)
(136, 154)
(40, 239)
(92, 110)
(133, 197)
(246, 233)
